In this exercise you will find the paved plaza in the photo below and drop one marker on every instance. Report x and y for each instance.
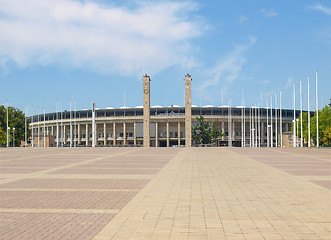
(165, 193)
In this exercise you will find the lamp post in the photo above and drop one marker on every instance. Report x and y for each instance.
(13, 137)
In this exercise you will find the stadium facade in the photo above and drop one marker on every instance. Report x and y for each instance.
(157, 126)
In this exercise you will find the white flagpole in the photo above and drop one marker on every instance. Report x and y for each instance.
(317, 133)
(276, 115)
(250, 127)
(57, 125)
(75, 139)
(70, 135)
(25, 136)
(301, 139)
(281, 120)
(38, 127)
(256, 128)
(271, 127)
(44, 127)
(7, 126)
(309, 145)
(267, 123)
(294, 135)
(242, 118)
(62, 133)
(244, 124)
(32, 141)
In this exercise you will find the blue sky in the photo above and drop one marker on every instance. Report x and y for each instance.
(87, 51)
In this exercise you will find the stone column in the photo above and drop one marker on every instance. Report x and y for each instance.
(134, 134)
(168, 140)
(64, 134)
(188, 112)
(146, 109)
(178, 134)
(96, 135)
(124, 133)
(114, 134)
(86, 135)
(233, 131)
(104, 134)
(78, 126)
(223, 130)
(156, 134)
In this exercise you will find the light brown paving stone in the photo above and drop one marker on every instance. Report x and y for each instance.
(202, 191)
(106, 171)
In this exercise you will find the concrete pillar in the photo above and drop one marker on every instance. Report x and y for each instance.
(223, 130)
(178, 133)
(104, 134)
(156, 134)
(146, 109)
(124, 133)
(233, 131)
(134, 134)
(188, 112)
(52, 131)
(168, 140)
(114, 133)
(96, 135)
(86, 135)
(64, 134)
(78, 126)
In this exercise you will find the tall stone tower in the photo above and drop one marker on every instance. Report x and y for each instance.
(188, 112)
(147, 108)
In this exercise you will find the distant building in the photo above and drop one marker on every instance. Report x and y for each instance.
(168, 126)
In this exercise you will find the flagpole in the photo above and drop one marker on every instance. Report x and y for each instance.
(57, 125)
(276, 115)
(309, 145)
(271, 127)
(294, 135)
(267, 123)
(301, 139)
(317, 133)
(25, 136)
(44, 127)
(281, 120)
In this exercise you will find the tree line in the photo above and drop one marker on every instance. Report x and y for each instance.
(16, 119)
(324, 126)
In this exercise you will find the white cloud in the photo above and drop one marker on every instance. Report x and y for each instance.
(227, 69)
(320, 7)
(269, 13)
(242, 18)
(143, 39)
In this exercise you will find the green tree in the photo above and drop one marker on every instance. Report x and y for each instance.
(324, 128)
(16, 119)
(204, 132)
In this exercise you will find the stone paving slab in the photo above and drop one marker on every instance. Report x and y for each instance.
(197, 193)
